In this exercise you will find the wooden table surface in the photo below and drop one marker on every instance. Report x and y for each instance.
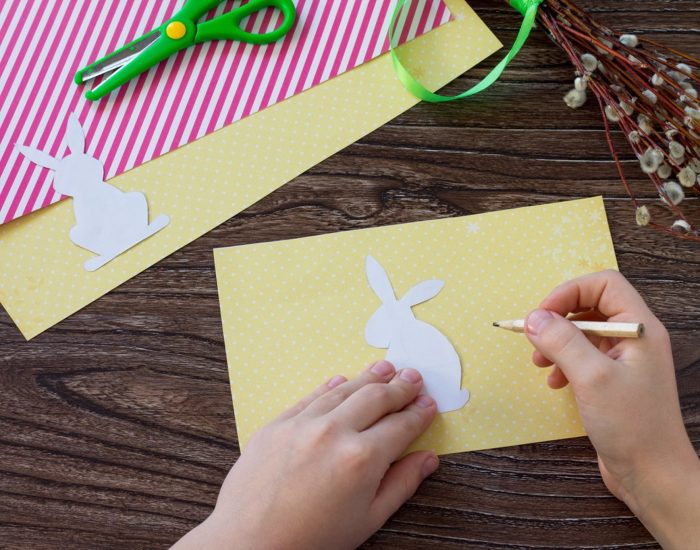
(116, 426)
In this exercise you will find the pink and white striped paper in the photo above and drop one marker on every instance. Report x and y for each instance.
(182, 99)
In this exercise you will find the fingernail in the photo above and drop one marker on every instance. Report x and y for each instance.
(382, 368)
(429, 466)
(410, 375)
(337, 380)
(537, 320)
(424, 401)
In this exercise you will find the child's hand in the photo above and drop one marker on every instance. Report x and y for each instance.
(627, 398)
(326, 473)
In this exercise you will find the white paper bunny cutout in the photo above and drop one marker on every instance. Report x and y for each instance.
(108, 221)
(413, 343)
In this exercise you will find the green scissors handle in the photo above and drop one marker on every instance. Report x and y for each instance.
(177, 33)
(228, 25)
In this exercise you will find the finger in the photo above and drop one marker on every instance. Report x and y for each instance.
(613, 350)
(557, 379)
(307, 400)
(394, 433)
(601, 343)
(374, 401)
(588, 315)
(607, 291)
(540, 360)
(616, 299)
(400, 483)
(561, 342)
(381, 371)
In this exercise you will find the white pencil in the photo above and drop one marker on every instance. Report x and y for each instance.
(609, 330)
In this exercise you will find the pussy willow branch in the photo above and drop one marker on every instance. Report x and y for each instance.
(650, 92)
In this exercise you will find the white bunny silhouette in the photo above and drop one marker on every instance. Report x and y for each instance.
(413, 343)
(108, 221)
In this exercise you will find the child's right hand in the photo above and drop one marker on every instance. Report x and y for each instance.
(628, 401)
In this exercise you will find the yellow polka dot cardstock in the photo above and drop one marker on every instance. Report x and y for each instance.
(295, 313)
(203, 184)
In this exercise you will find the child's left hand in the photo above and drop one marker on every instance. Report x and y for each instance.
(323, 474)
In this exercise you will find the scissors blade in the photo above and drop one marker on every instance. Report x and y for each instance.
(120, 58)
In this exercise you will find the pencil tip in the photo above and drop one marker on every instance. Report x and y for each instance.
(496, 325)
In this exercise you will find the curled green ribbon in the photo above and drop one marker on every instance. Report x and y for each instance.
(528, 9)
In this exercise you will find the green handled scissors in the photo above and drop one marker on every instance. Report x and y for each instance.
(180, 32)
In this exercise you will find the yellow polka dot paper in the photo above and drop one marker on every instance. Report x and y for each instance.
(201, 185)
(294, 314)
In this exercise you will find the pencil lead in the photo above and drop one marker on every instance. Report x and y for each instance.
(496, 324)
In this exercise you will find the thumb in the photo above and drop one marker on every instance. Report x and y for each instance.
(400, 482)
(564, 345)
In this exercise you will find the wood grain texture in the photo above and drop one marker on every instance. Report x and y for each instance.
(116, 427)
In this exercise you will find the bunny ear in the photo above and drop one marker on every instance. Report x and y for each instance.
(379, 280)
(422, 292)
(39, 157)
(75, 135)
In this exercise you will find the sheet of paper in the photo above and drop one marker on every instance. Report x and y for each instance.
(294, 314)
(410, 341)
(108, 222)
(184, 98)
(41, 275)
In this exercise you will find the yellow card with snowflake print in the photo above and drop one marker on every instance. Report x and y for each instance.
(422, 294)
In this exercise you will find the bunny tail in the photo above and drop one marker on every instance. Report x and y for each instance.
(453, 402)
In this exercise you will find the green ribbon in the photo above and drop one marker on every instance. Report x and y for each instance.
(528, 9)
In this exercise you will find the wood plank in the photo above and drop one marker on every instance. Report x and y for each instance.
(116, 426)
